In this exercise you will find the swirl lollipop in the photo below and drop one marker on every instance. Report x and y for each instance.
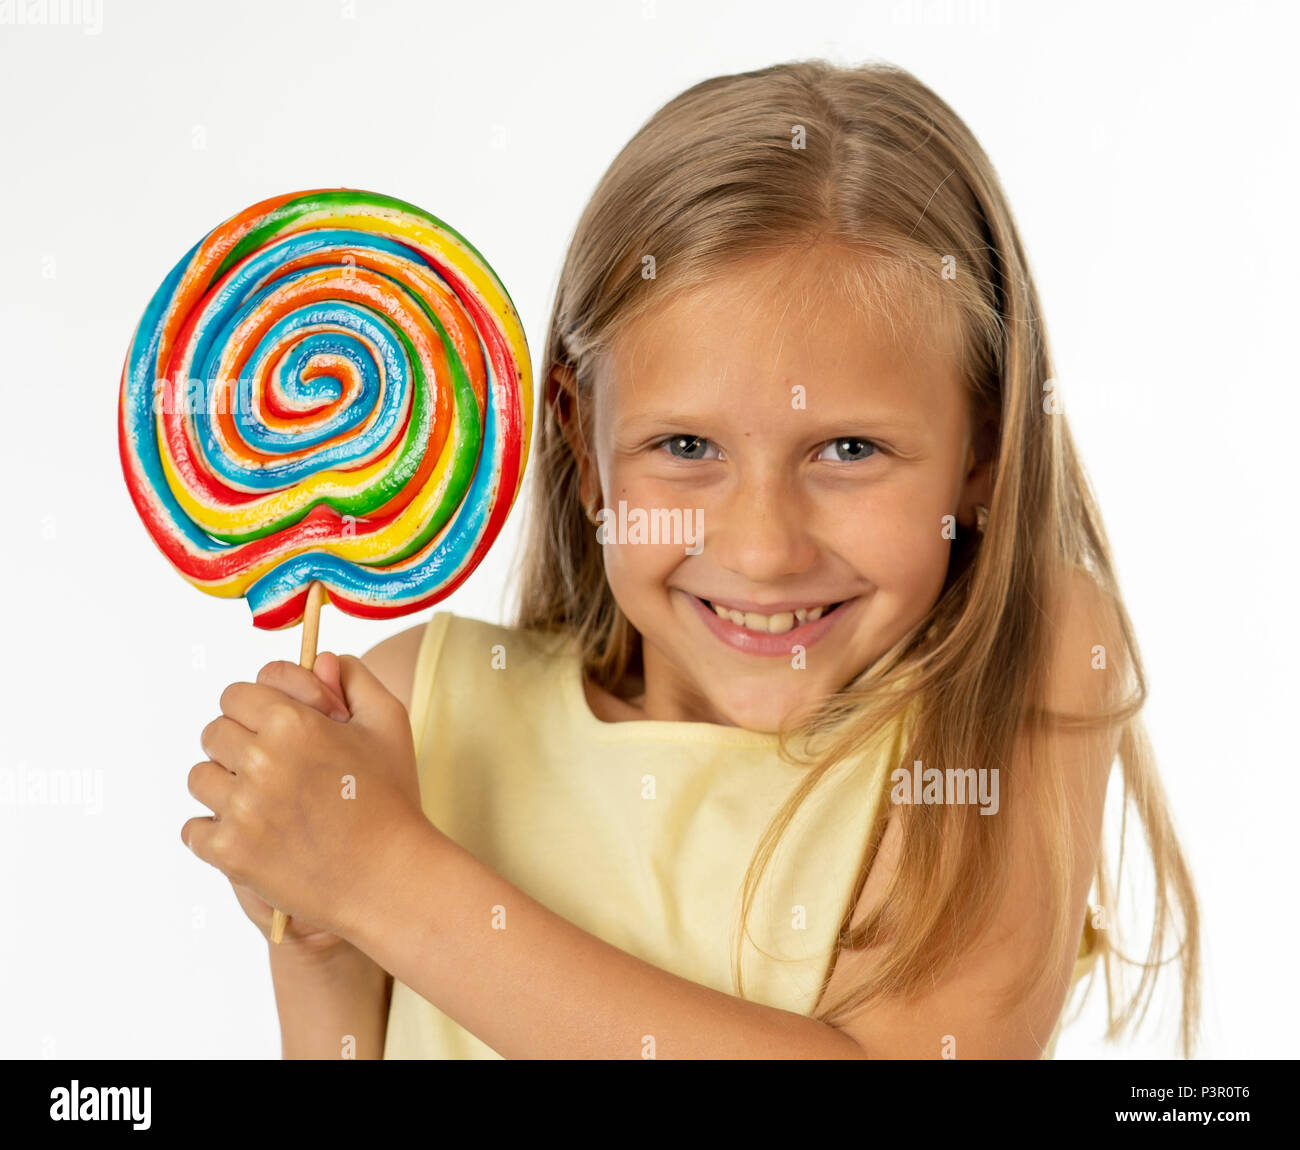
(329, 397)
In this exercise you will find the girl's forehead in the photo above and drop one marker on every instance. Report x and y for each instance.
(821, 293)
(785, 315)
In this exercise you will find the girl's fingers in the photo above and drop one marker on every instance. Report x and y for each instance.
(280, 685)
(203, 835)
(211, 784)
(254, 705)
(246, 703)
(198, 834)
(227, 742)
(300, 684)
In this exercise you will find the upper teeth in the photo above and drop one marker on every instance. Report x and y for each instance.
(772, 624)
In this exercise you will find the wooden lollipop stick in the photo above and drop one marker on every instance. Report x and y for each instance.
(310, 630)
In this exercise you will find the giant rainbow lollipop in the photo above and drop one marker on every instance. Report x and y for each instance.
(329, 396)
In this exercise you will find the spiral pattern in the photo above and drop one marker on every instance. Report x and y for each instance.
(331, 386)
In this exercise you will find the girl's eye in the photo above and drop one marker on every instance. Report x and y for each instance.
(686, 447)
(848, 450)
(694, 447)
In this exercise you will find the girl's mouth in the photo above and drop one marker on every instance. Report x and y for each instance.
(780, 623)
(776, 634)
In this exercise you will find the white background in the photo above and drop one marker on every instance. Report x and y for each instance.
(1149, 152)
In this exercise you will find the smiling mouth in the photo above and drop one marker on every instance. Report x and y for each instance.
(777, 624)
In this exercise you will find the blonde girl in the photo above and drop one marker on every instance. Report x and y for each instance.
(799, 741)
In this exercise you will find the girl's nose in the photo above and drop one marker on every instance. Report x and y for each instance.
(762, 529)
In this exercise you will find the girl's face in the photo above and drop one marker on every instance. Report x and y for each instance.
(813, 458)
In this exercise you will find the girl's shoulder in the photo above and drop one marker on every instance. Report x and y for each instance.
(400, 659)
(393, 661)
(1086, 636)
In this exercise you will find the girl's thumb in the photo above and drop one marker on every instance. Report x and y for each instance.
(326, 668)
(362, 690)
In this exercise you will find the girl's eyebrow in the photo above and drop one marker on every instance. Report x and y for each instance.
(889, 422)
(886, 422)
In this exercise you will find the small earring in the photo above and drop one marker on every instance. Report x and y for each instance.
(981, 517)
(589, 510)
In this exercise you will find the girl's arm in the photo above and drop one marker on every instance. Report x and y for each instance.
(543, 988)
(335, 1005)
(332, 1006)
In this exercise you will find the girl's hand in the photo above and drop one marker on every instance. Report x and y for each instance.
(305, 939)
(325, 693)
(307, 807)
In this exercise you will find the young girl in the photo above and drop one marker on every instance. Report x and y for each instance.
(814, 768)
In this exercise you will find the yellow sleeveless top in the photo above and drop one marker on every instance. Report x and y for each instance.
(637, 832)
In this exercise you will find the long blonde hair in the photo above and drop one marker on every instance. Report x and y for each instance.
(872, 160)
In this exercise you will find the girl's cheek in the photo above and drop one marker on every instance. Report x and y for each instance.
(633, 566)
(905, 543)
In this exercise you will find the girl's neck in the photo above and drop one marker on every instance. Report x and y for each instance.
(625, 705)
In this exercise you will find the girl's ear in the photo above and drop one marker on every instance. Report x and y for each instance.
(562, 398)
(980, 461)
(977, 489)
(561, 388)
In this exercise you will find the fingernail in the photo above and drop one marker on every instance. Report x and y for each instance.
(341, 716)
